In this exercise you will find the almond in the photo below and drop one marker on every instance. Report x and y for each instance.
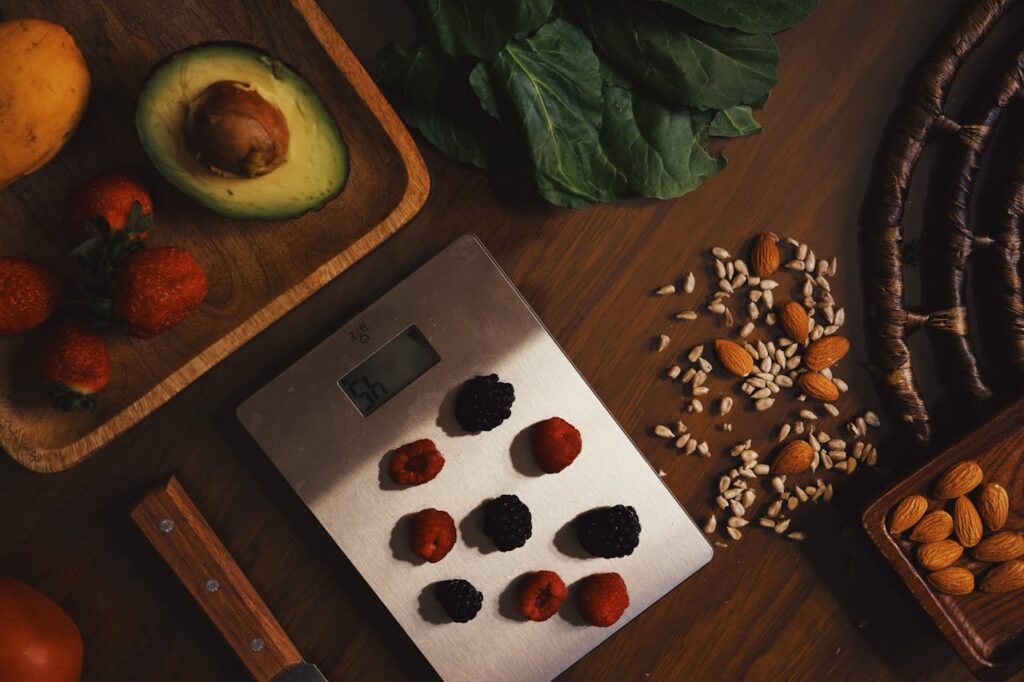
(734, 358)
(994, 505)
(764, 255)
(959, 479)
(819, 386)
(1004, 577)
(935, 526)
(967, 522)
(908, 512)
(826, 352)
(952, 580)
(1000, 547)
(794, 321)
(795, 457)
(936, 555)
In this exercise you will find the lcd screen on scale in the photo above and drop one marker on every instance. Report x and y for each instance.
(382, 375)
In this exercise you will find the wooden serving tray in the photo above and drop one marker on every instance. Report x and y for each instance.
(986, 630)
(258, 270)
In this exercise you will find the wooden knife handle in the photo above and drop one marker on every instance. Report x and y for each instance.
(173, 525)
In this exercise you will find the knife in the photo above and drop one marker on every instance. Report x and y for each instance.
(172, 524)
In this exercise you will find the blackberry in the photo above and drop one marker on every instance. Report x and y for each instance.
(484, 403)
(609, 532)
(508, 522)
(461, 601)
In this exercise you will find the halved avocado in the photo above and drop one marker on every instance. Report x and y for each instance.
(315, 165)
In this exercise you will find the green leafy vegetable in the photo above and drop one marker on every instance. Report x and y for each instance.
(479, 28)
(659, 150)
(432, 93)
(751, 16)
(553, 81)
(735, 121)
(596, 100)
(679, 59)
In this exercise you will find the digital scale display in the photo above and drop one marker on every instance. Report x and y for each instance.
(381, 376)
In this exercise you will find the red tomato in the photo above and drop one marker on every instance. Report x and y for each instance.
(38, 641)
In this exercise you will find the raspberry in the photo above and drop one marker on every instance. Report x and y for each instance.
(416, 463)
(508, 522)
(461, 601)
(433, 534)
(603, 598)
(609, 532)
(556, 444)
(542, 595)
(483, 403)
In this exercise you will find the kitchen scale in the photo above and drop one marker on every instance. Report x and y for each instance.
(331, 421)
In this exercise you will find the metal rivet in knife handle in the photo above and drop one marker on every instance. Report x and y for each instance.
(194, 553)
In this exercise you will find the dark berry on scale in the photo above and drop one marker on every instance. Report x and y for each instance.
(609, 532)
(460, 600)
(508, 522)
(483, 403)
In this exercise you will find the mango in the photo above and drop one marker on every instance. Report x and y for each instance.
(44, 87)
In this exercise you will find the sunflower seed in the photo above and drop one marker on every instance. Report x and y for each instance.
(829, 313)
(746, 329)
(738, 281)
(720, 253)
(817, 333)
(851, 465)
(872, 458)
(749, 457)
(679, 427)
(779, 484)
(725, 405)
(719, 269)
(766, 522)
(741, 266)
(781, 526)
(711, 524)
(736, 522)
(769, 299)
(826, 461)
(705, 366)
(749, 497)
(808, 415)
(763, 404)
(823, 283)
(761, 393)
(747, 388)
(753, 280)
(836, 444)
(663, 432)
(828, 493)
(801, 252)
(768, 284)
(810, 261)
(704, 449)
(793, 362)
(783, 381)
(798, 428)
(766, 365)
(689, 283)
(784, 432)
(792, 503)
(665, 290)
(831, 409)
(774, 508)
(769, 319)
(797, 536)
(840, 317)
(736, 508)
(674, 371)
(682, 441)
(688, 375)
(801, 494)
(753, 311)
(716, 308)
(751, 351)
(734, 533)
(700, 377)
(732, 493)
(722, 502)
(871, 419)
(686, 315)
(725, 286)
(822, 268)
(755, 295)
(691, 446)
(797, 265)
(701, 390)
(762, 469)
(841, 385)
(663, 342)
(695, 353)
(723, 483)
(862, 424)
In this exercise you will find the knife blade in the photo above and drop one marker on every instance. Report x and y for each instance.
(173, 525)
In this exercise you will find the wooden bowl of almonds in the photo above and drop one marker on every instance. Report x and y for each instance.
(954, 532)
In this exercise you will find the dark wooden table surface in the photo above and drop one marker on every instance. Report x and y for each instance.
(763, 609)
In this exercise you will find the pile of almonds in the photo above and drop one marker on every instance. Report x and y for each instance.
(799, 348)
(996, 554)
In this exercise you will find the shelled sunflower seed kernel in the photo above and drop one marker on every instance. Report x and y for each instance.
(778, 366)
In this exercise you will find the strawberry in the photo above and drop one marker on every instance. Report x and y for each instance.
(74, 359)
(157, 289)
(107, 205)
(29, 295)
(556, 444)
(603, 598)
(416, 463)
(433, 534)
(542, 595)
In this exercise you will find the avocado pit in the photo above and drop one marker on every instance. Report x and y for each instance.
(235, 131)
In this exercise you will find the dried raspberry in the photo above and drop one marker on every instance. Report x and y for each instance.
(603, 598)
(433, 534)
(542, 595)
(416, 463)
(556, 444)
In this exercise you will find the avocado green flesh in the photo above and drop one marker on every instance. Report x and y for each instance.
(314, 170)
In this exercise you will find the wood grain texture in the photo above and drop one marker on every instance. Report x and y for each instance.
(258, 270)
(179, 533)
(986, 630)
(764, 609)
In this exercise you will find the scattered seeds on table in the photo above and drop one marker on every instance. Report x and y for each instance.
(711, 524)
(689, 283)
(662, 431)
(663, 342)
(665, 290)
(674, 371)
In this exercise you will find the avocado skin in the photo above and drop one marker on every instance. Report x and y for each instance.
(282, 71)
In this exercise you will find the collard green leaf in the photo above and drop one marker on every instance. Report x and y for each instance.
(479, 28)
(659, 150)
(480, 81)
(750, 16)
(734, 122)
(553, 83)
(682, 60)
(431, 92)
